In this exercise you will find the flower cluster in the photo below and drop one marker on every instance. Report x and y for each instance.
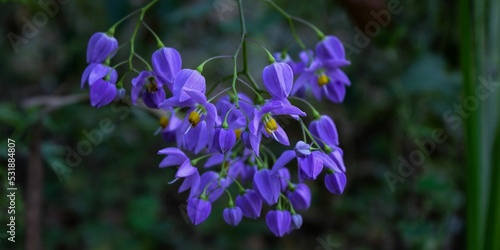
(220, 140)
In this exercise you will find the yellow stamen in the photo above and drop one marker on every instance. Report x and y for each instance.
(164, 121)
(323, 80)
(194, 118)
(238, 133)
(270, 125)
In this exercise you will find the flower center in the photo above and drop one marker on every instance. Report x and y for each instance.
(194, 118)
(323, 80)
(152, 86)
(164, 121)
(270, 124)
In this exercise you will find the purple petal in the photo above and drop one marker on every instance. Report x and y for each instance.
(186, 169)
(232, 215)
(278, 221)
(335, 183)
(250, 204)
(310, 167)
(278, 79)
(285, 157)
(267, 185)
(167, 63)
(198, 210)
(100, 47)
(102, 93)
(300, 197)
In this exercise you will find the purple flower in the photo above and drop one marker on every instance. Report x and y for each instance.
(336, 155)
(102, 93)
(310, 163)
(263, 121)
(324, 129)
(331, 52)
(186, 81)
(152, 90)
(100, 47)
(323, 75)
(198, 210)
(198, 126)
(175, 157)
(232, 215)
(300, 196)
(335, 182)
(278, 79)
(267, 186)
(96, 71)
(278, 221)
(250, 204)
(224, 140)
(296, 221)
(167, 63)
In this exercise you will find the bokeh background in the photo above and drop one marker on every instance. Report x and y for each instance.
(405, 78)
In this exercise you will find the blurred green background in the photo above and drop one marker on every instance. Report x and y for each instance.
(405, 78)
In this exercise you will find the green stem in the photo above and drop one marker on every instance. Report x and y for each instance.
(290, 20)
(200, 67)
(235, 55)
(473, 135)
(270, 56)
(316, 114)
(157, 38)
(195, 161)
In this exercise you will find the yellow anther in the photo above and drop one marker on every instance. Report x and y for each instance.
(271, 125)
(238, 133)
(194, 118)
(164, 121)
(323, 80)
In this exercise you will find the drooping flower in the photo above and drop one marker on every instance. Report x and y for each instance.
(198, 210)
(310, 162)
(152, 91)
(325, 130)
(279, 222)
(336, 155)
(186, 81)
(267, 186)
(331, 52)
(250, 204)
(232, 215)
(224, 140)
(296, 221)
(335, 182)
(324, 76)
(175, 157)
(102, 93)
(97, 71)
(100, 47)
(300, 196)
(167, 62)
(278, 79)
